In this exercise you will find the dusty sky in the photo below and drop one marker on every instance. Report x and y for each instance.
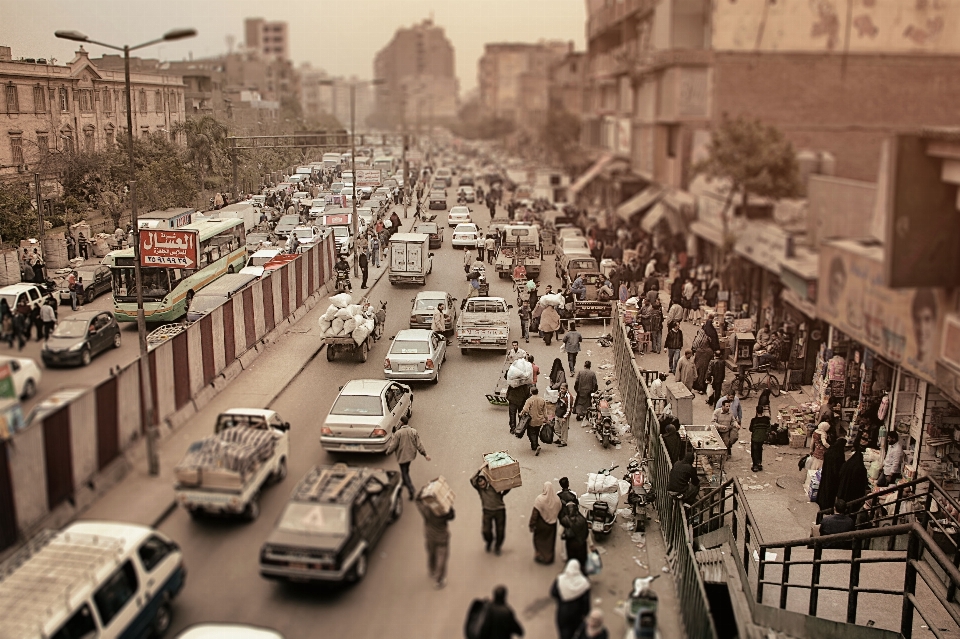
(340, 36)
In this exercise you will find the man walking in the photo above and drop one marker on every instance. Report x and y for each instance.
(585, 385)
(405, 441)
(496, 620)
(686, 371)
(516, 399)
(674, 344)
(536, 408)
(364, 269)
(571, 346)
(437, 539)
(524, 314)
(375, 250)
(562, 414)
(48, 318)
(759, 427)
(494, 523)
(439, 322)
(490, 245)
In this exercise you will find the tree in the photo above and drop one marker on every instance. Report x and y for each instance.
(18, 220)
(752, 159)
(206, 145)
(560, 136)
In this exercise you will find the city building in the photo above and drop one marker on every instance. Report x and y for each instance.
(566, 83)
(418, 79)
(269, 40)
(514, 80)
(80, 106)
(321, 94)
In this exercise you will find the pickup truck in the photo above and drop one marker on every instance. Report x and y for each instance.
(484, 323)
(521, 242)
(224, 473)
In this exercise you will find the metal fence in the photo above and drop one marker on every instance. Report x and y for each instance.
(640, 414)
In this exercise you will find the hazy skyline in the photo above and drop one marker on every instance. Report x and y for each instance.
(339, 37)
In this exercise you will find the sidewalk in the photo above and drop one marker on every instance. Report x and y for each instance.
(144, 499)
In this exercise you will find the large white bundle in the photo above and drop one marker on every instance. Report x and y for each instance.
(341, 300)
(520, 373)
(349, 325)
(597, 483)
(587, 500)
(551, 395)
(330, 332)
(554, 299)
(360, 333)
(325, 324)
(331, 311)
(337, 326)
(369, 323)
(343, 313)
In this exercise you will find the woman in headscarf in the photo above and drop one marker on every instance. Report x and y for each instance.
(592, 627)
(543, 524)
(821, 444)
(576, 532)
(571, 590)
(853, 479)
(830, 474)
(557, 376)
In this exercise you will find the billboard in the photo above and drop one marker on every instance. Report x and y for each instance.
(368, 177)
(902, 325)
(169, 248)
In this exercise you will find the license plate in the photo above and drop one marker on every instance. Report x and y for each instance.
(597, 526)
(407, 368)
(352, 447)
(297, 566)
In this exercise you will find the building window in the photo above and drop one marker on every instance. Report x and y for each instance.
(89, 141)
(12, 99)
(66, 138)
(39, 100)
(158, 102)
(108, 138)
(64, 101)
(43, 144)
(107, 100)
(673, 140)
(86, 100)
(16, 149)
(145, 133)
(143, 101)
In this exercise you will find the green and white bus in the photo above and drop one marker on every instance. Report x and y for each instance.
(167, 292)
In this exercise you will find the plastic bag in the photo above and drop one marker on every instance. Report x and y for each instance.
(360, 333)
(349, 325)
(337, 326)
(341, 300)
(594, 563)
(551, 395)
(520, 373)
(546, 433)
(552, 300)
(324, 325)
(331, 311)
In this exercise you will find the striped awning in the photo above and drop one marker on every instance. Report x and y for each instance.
(640, 202)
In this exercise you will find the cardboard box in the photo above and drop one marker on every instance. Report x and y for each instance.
(504, 476)
(438, 496)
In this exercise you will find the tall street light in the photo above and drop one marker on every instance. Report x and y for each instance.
(146, 382)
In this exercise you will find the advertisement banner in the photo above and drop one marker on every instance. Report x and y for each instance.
(168, 249)
(902, 325)
(6, 383)
(368, 177)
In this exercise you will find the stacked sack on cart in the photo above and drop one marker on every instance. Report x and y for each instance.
(344, 319)
(520, 373)
(239, 450)
(602, 487)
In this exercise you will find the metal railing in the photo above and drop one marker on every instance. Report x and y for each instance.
(640, 414)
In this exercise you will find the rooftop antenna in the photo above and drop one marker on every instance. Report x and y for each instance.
(231, 39)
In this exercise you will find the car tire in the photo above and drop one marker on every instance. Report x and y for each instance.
(116, 340)
(29, 389)
(162, 620)
(88, 297)
(397, 510)
(359, 569)
(252, 511)
(436, 378)
(281, 473)
(85, 357)
(330, 354)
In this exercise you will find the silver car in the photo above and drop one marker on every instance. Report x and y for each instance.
(364, 415)
(425, 303)
(415, 355)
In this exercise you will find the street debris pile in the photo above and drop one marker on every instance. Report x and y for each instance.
(343, 319)
(236, 453)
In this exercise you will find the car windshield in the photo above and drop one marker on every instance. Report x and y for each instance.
(341, 231)
(357, 405)
(289, 219)
(329, 519)
(424, 304)
(69, 327)
(226, 421)
(409, 347)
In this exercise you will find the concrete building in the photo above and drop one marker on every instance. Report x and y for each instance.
(661, 74)
(268, 39)
(322, 94)
(514, 80)
(77, 107)
(417, 67)
(567, 83)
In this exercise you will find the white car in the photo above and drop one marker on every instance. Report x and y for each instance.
(317, 207)
(467, 193)
(364, 415)
(25, 373)
(467, 235)
(459, 215)
(415, 355)
(227, 631)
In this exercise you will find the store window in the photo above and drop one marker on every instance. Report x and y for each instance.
(39, 100)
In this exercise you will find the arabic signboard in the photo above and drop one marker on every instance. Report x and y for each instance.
(336, 220)
(368, 177)
(168, 248)
(6, 383)
(902, 325)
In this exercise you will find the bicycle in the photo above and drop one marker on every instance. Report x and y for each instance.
(744, 384)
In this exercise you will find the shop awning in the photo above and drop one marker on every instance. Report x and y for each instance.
(590, 174)
(806, 307)
(654, 217)
(640, 202)
(708, 232)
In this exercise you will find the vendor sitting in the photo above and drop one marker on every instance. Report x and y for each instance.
(764, 336)
(578, 288)
(519, 272)
(771, 353)
(606, 291)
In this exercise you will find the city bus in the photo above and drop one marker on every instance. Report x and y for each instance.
(167, 292)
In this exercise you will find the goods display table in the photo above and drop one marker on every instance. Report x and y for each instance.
(710, 452)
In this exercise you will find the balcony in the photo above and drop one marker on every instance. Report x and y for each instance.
(612, 16)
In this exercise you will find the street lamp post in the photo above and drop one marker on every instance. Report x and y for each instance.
(146, 382)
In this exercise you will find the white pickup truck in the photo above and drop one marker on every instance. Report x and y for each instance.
(224, 473)
(484, 323)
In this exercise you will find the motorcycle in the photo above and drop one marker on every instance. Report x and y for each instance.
(601, 418)
(641, 609)
(602, 514)
(342, 284)
(641, 492)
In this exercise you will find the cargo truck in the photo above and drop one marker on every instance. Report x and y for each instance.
(410, 261)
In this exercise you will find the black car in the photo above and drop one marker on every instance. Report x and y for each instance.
(434, 230)
(331, 524)
(79, 337)
(97, 280)
(465, 180)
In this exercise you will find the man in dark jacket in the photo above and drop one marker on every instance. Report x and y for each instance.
(715, 375)
(494, 512)
(499, 621)
(759, 427)
(438, 540)
(364, 269)
(683, 480)
(566, 495)
(516, 398)
(585, 385)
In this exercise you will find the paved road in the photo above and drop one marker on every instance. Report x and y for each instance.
(396, 599)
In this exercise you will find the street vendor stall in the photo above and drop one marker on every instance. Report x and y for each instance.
(710, 452)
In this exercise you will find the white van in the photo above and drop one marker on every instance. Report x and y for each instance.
(92, 579)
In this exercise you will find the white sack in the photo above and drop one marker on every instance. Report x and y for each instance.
(331, 311)
(588, 499)
(349, 325)
(520, 373)
(597, 483)
(551, 395)
(341, 300)
(337, 326)
(360, 333)
(554, 299)
(325, 325)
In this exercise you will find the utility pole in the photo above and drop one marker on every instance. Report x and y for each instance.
(36, 185)
(353, 168)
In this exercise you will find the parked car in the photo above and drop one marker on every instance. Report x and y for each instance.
(81, 336)
(459, 215)
(364, 414)
(25, 374)
(425, 303)
(97, 280)
(434, 230)
(415, 355)
(467, 235)
(332, 523)
(14, 292)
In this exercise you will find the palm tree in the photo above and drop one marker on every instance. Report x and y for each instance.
(206, 143)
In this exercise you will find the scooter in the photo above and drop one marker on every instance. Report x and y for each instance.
(601, 516)
(641, 492)
(642, 609)
(342, 283)
(601, 418)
